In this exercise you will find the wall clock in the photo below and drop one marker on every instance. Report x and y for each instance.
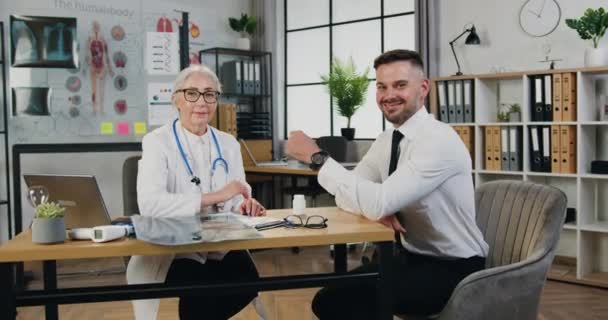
(539, 18)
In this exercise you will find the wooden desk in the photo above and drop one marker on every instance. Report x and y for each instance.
(342, 228)
(281, 170)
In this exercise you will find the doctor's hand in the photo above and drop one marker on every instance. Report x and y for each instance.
(229, 191)
(392, 222)
(251, 207)
(300, 146)
(234, 188)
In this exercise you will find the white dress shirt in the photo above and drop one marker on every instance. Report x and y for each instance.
(431, 189)
(164, 190)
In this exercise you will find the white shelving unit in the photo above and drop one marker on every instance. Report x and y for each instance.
(586, 239)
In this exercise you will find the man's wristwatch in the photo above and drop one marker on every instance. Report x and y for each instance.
(318, 159)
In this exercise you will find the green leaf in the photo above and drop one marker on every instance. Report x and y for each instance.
(251, 25)
(235, 24)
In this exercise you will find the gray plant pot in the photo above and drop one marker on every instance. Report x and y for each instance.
(515, 117)
(47, 231)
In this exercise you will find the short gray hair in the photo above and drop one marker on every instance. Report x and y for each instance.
(183, 75)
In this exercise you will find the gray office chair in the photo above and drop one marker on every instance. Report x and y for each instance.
(129, 186)
(521, 222)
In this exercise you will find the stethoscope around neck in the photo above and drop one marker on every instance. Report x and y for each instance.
(218, 161)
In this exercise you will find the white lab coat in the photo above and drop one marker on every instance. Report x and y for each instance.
(164, 190)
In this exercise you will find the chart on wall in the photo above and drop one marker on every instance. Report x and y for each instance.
(103, 96)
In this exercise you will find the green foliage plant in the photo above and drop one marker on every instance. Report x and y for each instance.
(49, 210)
(591, 26)
(245, 25)
(347, 87)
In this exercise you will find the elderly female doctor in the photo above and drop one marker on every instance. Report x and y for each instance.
(189, 167)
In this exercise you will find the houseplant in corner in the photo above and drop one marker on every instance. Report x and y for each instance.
(592, 26)
(246, 27)
(48, 225)
(347, 89)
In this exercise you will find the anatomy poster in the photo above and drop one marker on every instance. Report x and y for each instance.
(162, 53)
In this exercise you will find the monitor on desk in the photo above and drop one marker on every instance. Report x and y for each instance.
(79, 195)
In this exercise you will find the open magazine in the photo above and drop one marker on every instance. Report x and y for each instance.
(195, 229)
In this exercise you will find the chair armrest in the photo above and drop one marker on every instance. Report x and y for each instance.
(506, 292)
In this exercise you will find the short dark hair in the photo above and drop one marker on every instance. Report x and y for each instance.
(399, 55)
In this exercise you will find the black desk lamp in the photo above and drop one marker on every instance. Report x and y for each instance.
(472, 38)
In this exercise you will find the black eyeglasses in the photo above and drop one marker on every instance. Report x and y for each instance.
(192, 95)
(312, 222)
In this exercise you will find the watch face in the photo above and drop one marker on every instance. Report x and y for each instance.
(539, 18)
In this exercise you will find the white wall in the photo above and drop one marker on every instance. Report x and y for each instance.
(212, 18)
(504, 43)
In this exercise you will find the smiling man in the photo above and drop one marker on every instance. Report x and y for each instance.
(415, 177)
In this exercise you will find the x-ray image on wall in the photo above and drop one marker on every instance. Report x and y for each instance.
(44, 42)
(31, 101)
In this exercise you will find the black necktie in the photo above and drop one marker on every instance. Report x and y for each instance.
(397, 136)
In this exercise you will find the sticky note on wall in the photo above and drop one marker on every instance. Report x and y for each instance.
(106, 128)
(139, 127)
(122, 128)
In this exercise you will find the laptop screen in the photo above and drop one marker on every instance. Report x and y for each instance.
(79, 195)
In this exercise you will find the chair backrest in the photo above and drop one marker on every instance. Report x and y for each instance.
(335, 146)
(129, 186)
(519, 218)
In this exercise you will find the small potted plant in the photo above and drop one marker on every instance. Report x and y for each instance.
(592, 26)
(48, 225)
(348, 90)
(515, 113)
(246, 27)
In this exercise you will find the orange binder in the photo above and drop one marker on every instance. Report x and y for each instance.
(489, 147)
(458, 131)
(555, 149)
(467, 137)
(497, 152)
(227, 118)
(557, 97)
(569, 96)
(568, 149)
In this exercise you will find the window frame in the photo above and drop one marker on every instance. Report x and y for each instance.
(330, 27)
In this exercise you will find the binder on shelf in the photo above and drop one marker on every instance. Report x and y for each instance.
(451, 102)
(569, 96)
(467, 137)
(514, 149)
(548, 98)
(504, 148)
(442, 101)
(555, 149)
(538, 105)
(257, 83)
(489, 146)
(459, 132)
(468, 100)
(568, 149)
(496, 145)
(225, 119)
(535, 152)
(246, 78)
(459, 102)
(231, 75)
(546, 149)
(557, 97)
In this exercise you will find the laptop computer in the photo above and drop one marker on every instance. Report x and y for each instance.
(79, 195)
(262, 163)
